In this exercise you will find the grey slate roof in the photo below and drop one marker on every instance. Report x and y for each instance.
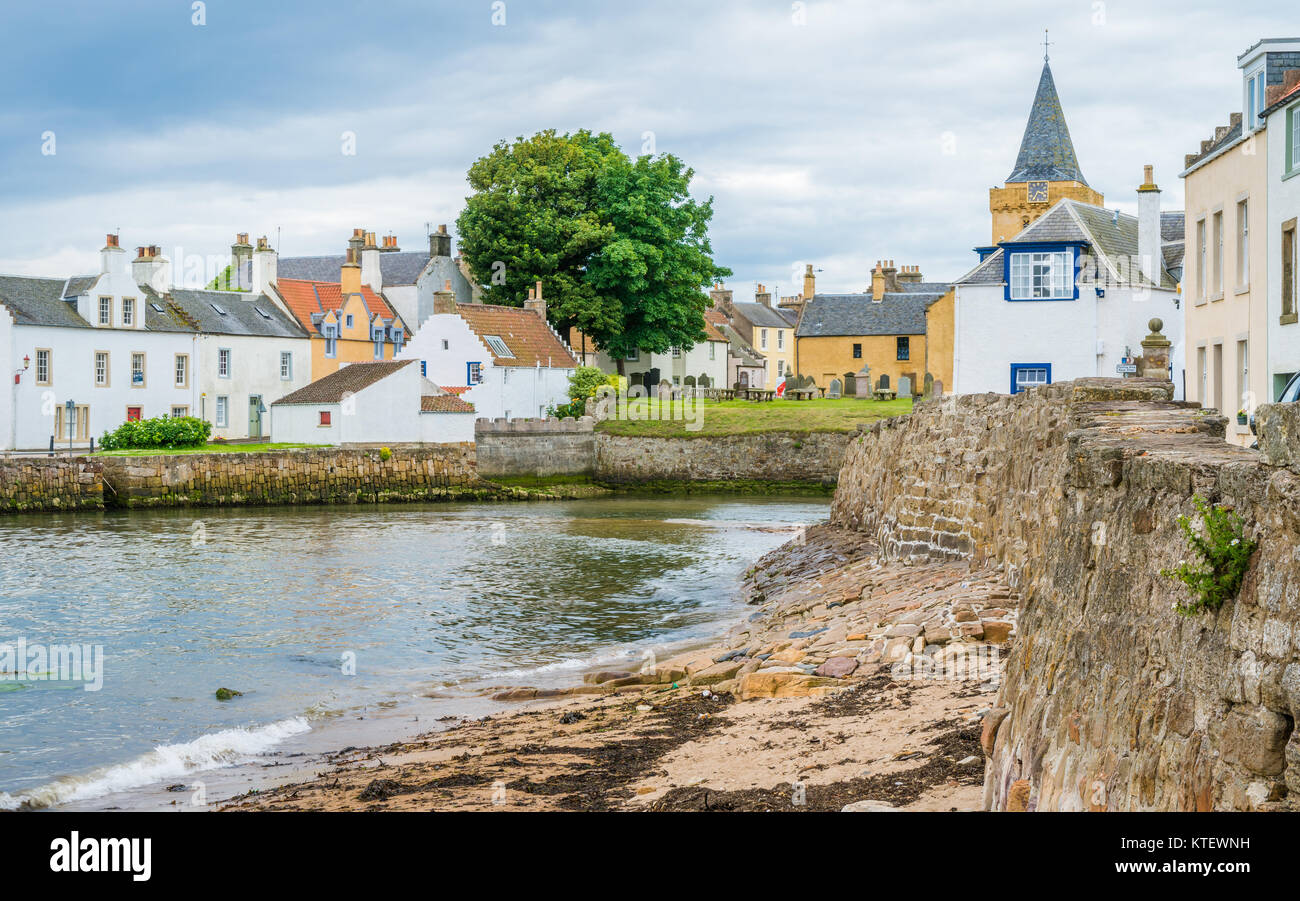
(898, 313)
(790, 316)
(1046, 151)
(402, 267)
(739, 348)
(194, 310)
(760, 315)
(39, 301)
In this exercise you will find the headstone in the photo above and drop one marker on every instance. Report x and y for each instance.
(928, 386)
(689, 381)
(705, 382)
(938, 388)
(850, 385)
(884, 381)
(665, 390)
(904, 387)
(834, 390)
(635, 379)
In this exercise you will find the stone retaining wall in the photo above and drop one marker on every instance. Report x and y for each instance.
(45, 483)
(1111, 699)
(789, 457)
(537, 448)
(308, 476)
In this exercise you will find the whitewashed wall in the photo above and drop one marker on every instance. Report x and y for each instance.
(254, 369)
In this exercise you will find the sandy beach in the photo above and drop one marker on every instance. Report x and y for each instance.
(854, 682)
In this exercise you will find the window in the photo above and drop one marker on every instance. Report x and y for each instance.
(137, 370)
(634, 356)
(182, 370)
(349, 320)
(106, 311)
(223, 362)
(128, 311)
(223, 411)
(42, 365)
(1218, 253)
(324, 418)
(1253, 104)
(218, 308)
(332, 340)
(157, 308)
(677, 352)
(497, 346)
(377, 336)
(101, 368)
(1293, 136)
(904, 347)
(1243, 243)
(179, 412)
(134, 414)
(261, 312)
(1216, 377)
(857, 351)
(762, 339)
(424, 369)
(473, 373)
(780, 339)
(1041, 276)
(1027, 375)
(1202, 378)
(445, 345)
(1243, 377)
(713, 350)
(1201, 283)
(1288, 271)
(286, 365)
(73, 426)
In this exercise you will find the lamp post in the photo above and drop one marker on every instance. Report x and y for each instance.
(71, 411)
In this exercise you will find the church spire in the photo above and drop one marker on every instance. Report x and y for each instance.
(1046, 151)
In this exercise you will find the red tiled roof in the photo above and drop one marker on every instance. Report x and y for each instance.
(348, 380)
(525, 333)
(305, 297)
(444, 403)
(457, 390)
(713, 319)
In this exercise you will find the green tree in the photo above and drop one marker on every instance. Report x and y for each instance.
(620, 246)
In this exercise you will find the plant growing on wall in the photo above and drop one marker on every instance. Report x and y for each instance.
(1224, 556)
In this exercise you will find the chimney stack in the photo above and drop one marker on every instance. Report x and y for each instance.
(878, 282)
(909, 275)
(390, 244)
(535, 301)
(809, 282)
(266, 266)
(150, 268)
(111, 256)
(350, 275)
(1150, 258)
(241, 258)
(371, 272)
(440, 243)
(444, 301)
(720, 297)
(763, 296)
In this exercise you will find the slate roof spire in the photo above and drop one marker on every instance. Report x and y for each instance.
(1046, 151)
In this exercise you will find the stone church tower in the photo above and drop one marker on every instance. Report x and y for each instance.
(1046, 169)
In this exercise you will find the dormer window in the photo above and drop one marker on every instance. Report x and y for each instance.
(1042, 275)
(128, 311)
(106, 311)
(331, 333)
(498, 346)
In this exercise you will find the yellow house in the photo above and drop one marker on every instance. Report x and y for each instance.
(1225, 301)
(347, 321)
(768, 330)
(878, 333)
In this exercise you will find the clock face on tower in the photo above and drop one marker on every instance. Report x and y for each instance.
(1037, 191)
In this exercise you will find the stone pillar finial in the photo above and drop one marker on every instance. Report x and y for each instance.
(1155, 353)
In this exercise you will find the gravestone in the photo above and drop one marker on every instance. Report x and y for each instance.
(834, 390)
(883, 384)
(689, 381)
(904, 387)
(705, 382)
(635, 379)
(938, 388)
(665, 390)
(927, 388)
(850, 385)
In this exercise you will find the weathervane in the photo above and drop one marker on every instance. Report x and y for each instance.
(1046, 44)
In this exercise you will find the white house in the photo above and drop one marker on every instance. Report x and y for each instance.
(1070, 296)
(704, 361)
(373, 403)
(506, 361)
(1282, 115)
(85, 354)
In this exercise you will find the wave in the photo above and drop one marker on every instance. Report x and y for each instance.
(211, 751)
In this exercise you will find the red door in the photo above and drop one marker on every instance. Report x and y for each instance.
(133, 414)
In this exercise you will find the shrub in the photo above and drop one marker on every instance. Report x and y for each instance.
(385, 454)
(1224, 553)
(161, 432)
(585, 380)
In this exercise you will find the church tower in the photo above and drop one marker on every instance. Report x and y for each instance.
(1046, 169)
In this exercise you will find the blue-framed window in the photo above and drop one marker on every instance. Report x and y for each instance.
(473, 373)
(424, 368)
(1029, 375)
(1040, 271)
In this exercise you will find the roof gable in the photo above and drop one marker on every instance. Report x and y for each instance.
(525, 334)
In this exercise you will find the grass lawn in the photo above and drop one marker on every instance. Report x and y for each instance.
(742, 417)
(219, 448)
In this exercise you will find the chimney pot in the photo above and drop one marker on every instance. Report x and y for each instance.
(442, 229)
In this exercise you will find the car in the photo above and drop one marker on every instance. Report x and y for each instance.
(1289, 395)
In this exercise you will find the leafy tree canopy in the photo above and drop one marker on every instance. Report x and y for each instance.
(620, 246)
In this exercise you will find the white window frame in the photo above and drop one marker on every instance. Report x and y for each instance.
(107, 381)
(286, 366)
(128, 311)
(181, 371)
(144, 379)
(223, 411)
(1042, 275)
(106, 311)
(49, 366)
(223, 362)
(1243, 242)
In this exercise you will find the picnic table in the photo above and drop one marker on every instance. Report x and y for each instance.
(885, 393)
(757, 394)
(799, 393)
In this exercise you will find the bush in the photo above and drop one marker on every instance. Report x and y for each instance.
(585, 380)
(385, 454)
(1225, 556)
(160, 432)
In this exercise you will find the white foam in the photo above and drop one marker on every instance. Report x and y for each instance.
(216, 749)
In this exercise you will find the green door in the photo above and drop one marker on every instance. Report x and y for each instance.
(255, 416)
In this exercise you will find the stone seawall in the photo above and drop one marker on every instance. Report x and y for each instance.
(784, 457)
(44, 483)
(538, 448)
(323, 476)
(1111, 699)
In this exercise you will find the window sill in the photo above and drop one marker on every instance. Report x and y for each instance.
(1292, 174)
(1288, 319)
(1216, 297)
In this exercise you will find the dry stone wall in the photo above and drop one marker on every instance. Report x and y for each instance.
(780, 457)
(1111, 700)
(50, 483)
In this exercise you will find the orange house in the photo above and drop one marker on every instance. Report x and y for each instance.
(347, 322)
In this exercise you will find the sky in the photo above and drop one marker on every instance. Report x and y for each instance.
(834, 133)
